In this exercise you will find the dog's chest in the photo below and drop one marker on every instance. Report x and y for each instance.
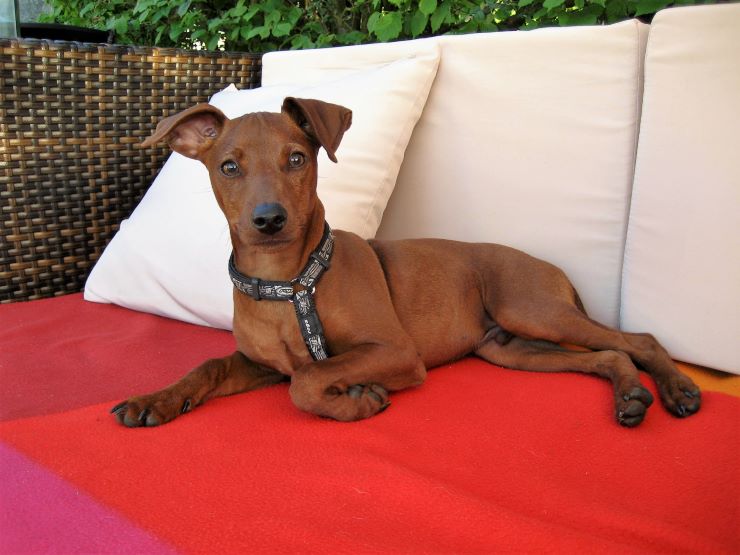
(267, 332)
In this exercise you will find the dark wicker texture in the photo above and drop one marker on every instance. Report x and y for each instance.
(71, 118)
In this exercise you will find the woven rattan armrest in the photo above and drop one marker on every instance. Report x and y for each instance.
(71, 118)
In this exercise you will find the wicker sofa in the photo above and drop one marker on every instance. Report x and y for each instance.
(479, 459)
(72, 117)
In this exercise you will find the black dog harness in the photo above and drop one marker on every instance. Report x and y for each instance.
(303, 301)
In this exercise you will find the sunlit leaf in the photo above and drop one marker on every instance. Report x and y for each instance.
(418, 23)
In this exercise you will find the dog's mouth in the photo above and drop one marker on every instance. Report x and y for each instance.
(250, 238)
(270, 243)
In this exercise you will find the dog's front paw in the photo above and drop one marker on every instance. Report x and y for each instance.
(632, 405)
(372, 397)
(150, 410)
(343, 403)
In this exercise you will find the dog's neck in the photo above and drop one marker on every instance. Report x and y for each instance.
(287, 262)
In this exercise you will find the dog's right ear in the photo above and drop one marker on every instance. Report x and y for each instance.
(190, 132)
(324, 122)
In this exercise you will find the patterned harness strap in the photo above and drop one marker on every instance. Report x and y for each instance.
(303, 300)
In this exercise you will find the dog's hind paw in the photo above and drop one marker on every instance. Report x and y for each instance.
(680, 395)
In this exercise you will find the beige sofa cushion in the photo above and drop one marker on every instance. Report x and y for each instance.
(527, 138)
(682, 261)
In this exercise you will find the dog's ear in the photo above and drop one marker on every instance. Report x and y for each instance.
(322, 121)
(190, 132)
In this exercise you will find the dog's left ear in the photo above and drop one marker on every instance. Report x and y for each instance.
(322, 121)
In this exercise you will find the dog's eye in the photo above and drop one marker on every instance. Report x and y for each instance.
(296, 160)
(230, 168)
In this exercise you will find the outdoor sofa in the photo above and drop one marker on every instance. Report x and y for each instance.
(611, 151)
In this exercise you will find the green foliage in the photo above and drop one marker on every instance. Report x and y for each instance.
(263, 25)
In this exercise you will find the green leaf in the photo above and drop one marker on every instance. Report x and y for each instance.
(263, 31)
(273, 18)
(550, 4)
(577, 18)
(439, 16)
(312, 28)
(294, 15)
(501, 14)
(300, 42)
(282, 29)
(372, 21)
(325, 40)
(601, 3)
(199, 35)
(418, 23)
(388, 26)
(183, 8)
(250, 13)
(142, 5)
(427, 7)
(239, 9)
(353, 37)
(590, 15)
(143, 17)
(616, 10)
(213, 43)
(121, 25)
(649, 6)
(487, 27)
(175, 32)
(162, 13)
(525, 3)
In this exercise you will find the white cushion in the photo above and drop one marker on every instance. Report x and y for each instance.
(527, 139)
(682, 260)
(170, 257)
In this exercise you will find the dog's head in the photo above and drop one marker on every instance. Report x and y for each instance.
(263, 166)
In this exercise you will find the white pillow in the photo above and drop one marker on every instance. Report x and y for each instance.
(170, 257)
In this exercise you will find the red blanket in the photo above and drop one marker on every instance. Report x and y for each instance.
(478, 459)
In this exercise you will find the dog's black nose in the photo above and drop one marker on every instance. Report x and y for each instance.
(269, 218)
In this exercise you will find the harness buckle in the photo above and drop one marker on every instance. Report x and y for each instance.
(296, 281)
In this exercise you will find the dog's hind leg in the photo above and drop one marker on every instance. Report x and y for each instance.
(535, 300)
(542, 304)
(631, 399)
(677, 391)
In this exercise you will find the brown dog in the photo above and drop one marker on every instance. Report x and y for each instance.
(385, 310)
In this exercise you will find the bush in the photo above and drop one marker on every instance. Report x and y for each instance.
(263, 25)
